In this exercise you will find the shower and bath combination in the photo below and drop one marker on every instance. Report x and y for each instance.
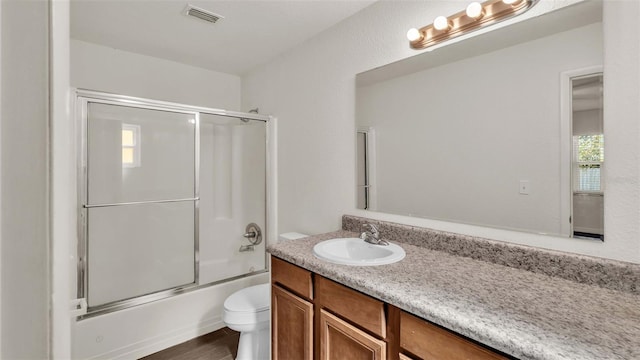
(172, 198)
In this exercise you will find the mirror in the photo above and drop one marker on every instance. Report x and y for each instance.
(472, 132)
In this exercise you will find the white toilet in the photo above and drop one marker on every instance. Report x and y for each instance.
(247, 311)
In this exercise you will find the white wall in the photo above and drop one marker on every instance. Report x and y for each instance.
(311, 89)
(1, 237)
(24, 168)
(101, 68)
(1, 86)
(142, 330)
(442, 134)
(621, 127)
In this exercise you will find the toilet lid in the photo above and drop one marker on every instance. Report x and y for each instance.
(252, 299)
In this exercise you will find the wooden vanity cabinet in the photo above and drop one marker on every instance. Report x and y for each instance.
(291, 312)
(317, 318)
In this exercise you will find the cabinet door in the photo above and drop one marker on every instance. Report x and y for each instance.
(291, 326)
(341, 340)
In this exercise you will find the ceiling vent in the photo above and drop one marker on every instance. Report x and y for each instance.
(202, 14)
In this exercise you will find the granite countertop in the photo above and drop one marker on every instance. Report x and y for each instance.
(524, 314)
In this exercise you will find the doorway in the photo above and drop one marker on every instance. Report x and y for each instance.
(587, 156)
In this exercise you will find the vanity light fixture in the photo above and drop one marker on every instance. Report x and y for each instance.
(414, 34)
(441, 23)
(475, 10)
(474, 17)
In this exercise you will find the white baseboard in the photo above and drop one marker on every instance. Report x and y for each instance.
(161, 342)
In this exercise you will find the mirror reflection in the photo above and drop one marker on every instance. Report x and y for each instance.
(587, 156)
(478, 132)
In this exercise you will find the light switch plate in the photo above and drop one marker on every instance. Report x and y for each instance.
(525, 187)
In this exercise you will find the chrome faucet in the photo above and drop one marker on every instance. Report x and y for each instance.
(372, 236)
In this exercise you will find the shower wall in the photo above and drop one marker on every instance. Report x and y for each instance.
(144, 329)
(232, 193)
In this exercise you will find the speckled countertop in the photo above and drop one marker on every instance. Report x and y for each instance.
(522, 313)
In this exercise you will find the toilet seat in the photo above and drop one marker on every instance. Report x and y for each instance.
(248, 306)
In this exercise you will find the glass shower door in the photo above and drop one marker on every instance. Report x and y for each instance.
(140, 201)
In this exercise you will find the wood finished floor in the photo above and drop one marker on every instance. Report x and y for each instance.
(218, 345)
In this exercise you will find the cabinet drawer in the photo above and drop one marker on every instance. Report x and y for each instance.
(358, 308)
(429, 341)
(292, 277)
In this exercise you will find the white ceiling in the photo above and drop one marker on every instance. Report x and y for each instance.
(252, 32)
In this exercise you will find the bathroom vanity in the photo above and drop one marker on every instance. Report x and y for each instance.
(352, 325)
(459, 301)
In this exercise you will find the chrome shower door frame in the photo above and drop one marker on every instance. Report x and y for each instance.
(82, 99)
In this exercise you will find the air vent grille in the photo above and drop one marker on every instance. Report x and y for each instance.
(202, 14)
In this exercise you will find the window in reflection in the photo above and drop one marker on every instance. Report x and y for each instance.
(589, 151)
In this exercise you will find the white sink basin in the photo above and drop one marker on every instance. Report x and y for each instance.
(355, 251)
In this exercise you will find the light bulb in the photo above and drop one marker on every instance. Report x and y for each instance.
(414, 34)
(441, 23)
(475, 11)
(511, 2)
